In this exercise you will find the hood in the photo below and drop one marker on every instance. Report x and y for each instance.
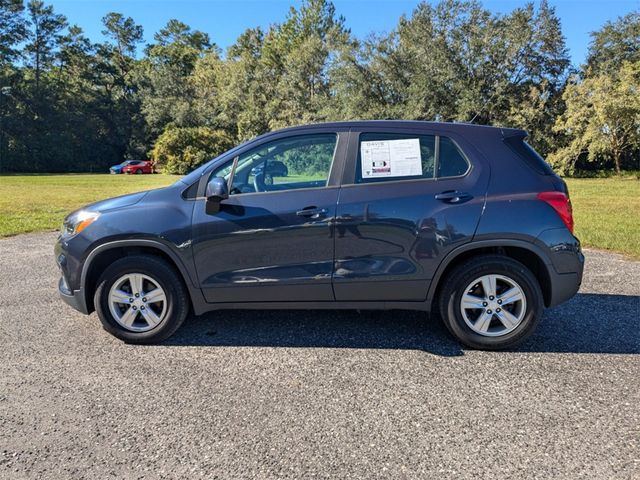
(116, 202)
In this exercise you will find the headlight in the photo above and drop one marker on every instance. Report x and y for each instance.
(78, 221)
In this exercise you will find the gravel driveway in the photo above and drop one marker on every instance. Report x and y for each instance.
(316, 394)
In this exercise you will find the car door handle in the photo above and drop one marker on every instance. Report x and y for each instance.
(312, 212)
(453, 196)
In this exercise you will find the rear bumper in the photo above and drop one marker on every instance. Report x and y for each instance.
(565, 265)
(565, 285)
(75, 298)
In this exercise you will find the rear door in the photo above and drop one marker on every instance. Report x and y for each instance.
(408, 198)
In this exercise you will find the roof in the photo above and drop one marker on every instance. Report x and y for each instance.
(450, 126)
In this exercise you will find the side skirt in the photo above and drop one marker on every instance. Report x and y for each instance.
(420, 306)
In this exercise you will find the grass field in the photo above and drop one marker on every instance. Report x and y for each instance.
(607, 211)
(30, 203)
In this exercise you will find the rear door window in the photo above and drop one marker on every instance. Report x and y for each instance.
(390, 156)
(384, 157)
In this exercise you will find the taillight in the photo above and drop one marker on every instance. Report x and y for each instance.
(561, 204)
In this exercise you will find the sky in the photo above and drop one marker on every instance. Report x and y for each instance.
(225, 20)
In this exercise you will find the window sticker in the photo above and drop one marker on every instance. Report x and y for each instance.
(391, 158)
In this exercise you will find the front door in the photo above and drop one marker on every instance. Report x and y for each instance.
(271, 240)
(409, 199)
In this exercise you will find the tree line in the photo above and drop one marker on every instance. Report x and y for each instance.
(69, 104)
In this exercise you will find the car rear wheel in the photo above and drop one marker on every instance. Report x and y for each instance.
(139, 171)
(491, 302)
(141, 299)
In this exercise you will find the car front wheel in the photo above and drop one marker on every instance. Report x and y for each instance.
(141, 299)
(491, 302)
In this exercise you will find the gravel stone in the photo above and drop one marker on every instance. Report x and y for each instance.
(316, 394)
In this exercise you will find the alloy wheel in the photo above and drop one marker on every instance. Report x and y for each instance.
(493, 305)
(137, 302)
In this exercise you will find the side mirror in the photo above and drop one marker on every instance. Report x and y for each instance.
(217, 190)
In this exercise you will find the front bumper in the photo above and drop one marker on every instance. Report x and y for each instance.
(69, 270)
(74, 298)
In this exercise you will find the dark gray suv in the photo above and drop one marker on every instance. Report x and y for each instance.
(463, 220)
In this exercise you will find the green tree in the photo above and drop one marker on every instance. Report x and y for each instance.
(297, 56)
(12, 31)
(168, 94)
(205, 84)
(615, 43)
(369, 80)
(233, 93)
(76, 105)
(33, 118)
(42, 38)
(115, 80)
(602, 118)
(456, 61)
(80, 127)
(180, 150)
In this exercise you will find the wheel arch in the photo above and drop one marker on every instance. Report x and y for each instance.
(103, 255)
(524, 252)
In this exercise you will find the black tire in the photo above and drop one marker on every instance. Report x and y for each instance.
(453, 288)
(139, 171)
(166, 277)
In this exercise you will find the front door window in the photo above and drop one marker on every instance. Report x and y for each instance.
(285, 164)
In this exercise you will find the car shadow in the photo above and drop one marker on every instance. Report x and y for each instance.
(317, 329)
(589, 323)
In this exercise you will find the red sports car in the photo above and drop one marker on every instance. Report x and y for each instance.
(139, 167)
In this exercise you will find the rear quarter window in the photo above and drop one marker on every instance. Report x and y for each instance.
(529, 155)
(451, 161)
